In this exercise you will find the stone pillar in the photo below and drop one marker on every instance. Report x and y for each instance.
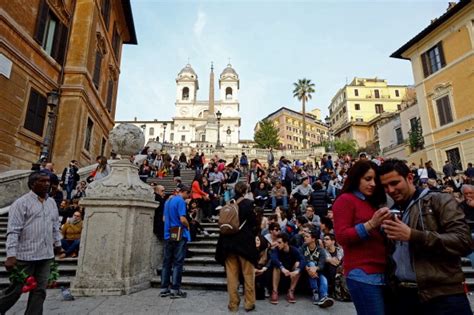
(114, 256)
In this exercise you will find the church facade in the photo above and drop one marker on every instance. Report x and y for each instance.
(196, 122)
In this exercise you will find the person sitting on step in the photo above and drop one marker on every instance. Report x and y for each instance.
(71, 231)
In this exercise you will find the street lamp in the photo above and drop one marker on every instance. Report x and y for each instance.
(53, 102)
(164, 131)
(218, 115)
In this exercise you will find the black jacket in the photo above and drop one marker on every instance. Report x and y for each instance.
(319, 199)
(158, 224)
(243, 242)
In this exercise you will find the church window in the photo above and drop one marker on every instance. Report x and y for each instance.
(171, 137)
(184, 127)
(151, 131)
(183, 138)
(185, 96)
(228, 93)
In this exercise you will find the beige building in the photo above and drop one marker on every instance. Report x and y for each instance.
(357, 106)
(290, 128)
(70, 49)
(442, 58)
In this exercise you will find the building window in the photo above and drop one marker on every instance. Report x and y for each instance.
(36, 113)
(344, 109)
(106, 12)
(97, 68)
(413, 123)
(444, 110)
(397, 93)
(87, 142)
(399, 107)
(110, 95)
(377, 93)
(455, 158)
(171, 137)
(228, 93)
(433, 60)
(185, 95)
(398, 133)
(183, 138)
(102, 147)
(359, 119)
(151, 131)
(356, 92)
(379, 108)
(50, 33)
(357, 106)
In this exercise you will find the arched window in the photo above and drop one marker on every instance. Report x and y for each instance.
(228, 93)
(151, 131)
(185, 93)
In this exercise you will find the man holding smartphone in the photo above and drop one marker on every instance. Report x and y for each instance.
(429, 240)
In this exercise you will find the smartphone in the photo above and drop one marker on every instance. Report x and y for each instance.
(395, 213)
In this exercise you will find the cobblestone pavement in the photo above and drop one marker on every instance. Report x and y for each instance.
(197, 302)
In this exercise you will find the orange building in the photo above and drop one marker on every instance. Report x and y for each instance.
(72, 47)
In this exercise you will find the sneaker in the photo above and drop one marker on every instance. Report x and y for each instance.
(267, 293)
(206, 233)
(165, 293)
(274, 297)
(315, 298)
(178, 295)
(290, 297)
(326, 302)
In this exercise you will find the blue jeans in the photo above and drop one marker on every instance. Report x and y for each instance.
(174, 254)
(368, 299)
(282, 200)
(69, 188)
(70, 246)
(319, 284)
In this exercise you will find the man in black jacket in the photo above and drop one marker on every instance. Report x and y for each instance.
(69, 178)
(319, 199)
(238, 253)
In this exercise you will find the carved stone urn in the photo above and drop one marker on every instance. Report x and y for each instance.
(114, 255)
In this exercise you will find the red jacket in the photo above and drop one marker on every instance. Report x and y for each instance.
(196, 192)
(366, 254)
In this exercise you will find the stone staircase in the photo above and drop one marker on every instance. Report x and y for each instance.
(187, 177)
(200, 271)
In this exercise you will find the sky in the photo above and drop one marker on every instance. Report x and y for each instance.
(271, 44)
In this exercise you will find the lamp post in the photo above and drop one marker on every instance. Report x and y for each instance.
(164, 131)
(218, 115)
(52, 101)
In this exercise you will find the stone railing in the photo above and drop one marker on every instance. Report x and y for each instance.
(12, 185)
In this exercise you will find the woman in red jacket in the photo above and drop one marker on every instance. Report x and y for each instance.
(357, 226)
(198, 194)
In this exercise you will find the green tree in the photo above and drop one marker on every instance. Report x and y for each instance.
(302, 91)
(415, 136)
(341, 146)
(267, 135)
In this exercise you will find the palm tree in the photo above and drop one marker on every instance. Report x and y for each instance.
(302, 91)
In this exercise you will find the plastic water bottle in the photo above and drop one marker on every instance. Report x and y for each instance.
(66, 293)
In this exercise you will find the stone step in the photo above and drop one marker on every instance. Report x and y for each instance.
(202, 271)
(203, 243)
(65, 261)
(64, 270)
(200, 260)
(204, 283)
(210, 237)
(203, 251)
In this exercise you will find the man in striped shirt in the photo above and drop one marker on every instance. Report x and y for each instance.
(32, 240)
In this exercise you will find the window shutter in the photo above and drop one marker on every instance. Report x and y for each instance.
(60, 42)
(40, 114)
(106, 12)
(35, 113)
(41, 20)
(441, 54)
(447, 110)
(97, 66)
(110, 94)
(424, 62)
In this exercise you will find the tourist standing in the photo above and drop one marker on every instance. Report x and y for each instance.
(176, 235)
(69, 178)
(237, 252)
(357, 227)
(270, 158)
(32, 240)
(429, 239)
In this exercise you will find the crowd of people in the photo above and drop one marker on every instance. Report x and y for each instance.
(383, 234)
(328, 228)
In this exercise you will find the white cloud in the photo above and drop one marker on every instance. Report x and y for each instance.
(200, 23)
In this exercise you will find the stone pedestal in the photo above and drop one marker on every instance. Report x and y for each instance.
(116, 242)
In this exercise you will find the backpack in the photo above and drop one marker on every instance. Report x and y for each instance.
(229, 222)
(341, 292)
(243, 160)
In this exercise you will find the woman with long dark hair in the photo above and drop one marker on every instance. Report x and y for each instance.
(357, 227)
